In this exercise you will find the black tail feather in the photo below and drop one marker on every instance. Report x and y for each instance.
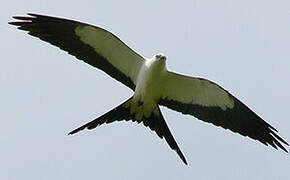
(117, 114)
(155, 122)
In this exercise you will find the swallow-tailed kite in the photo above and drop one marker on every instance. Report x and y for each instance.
(152, 83)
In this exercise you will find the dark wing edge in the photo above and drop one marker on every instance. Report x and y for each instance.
(60, 32)
(154, 122)
(239, 119)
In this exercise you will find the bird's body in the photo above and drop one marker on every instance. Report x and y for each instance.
(152, 83)
(149, 84)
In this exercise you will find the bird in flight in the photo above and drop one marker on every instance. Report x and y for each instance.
(152, 83)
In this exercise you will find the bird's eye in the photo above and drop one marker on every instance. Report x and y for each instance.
(163, 58)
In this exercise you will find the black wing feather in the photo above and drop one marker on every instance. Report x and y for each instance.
(239, 119)
(60, 32)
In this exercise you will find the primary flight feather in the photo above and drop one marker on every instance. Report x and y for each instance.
(152, 83)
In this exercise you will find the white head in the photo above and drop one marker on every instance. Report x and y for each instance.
(160, 57)
(158, 61)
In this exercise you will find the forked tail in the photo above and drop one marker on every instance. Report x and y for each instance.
(155, 122)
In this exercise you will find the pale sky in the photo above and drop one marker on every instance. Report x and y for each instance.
(45, 93)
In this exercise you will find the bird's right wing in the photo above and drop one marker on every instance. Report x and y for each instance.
(91, 44)
(211, 103)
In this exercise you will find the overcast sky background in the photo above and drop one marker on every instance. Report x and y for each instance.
(45, 93)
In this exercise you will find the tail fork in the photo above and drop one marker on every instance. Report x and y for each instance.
(155, 122)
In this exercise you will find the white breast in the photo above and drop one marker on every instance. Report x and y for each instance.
(149, 81)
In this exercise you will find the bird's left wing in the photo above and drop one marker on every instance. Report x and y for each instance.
(211, 103)
(91, 44)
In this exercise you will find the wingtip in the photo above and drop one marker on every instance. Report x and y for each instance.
(73, 132)
(32, 14)
(22, 17)
(35, 15)
(283, 148)
(11, 23)
(276, 139)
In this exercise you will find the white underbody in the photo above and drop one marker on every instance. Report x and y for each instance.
(149, 85)
(150, 81)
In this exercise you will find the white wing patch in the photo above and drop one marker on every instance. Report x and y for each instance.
(114, 50)
(202, 92)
